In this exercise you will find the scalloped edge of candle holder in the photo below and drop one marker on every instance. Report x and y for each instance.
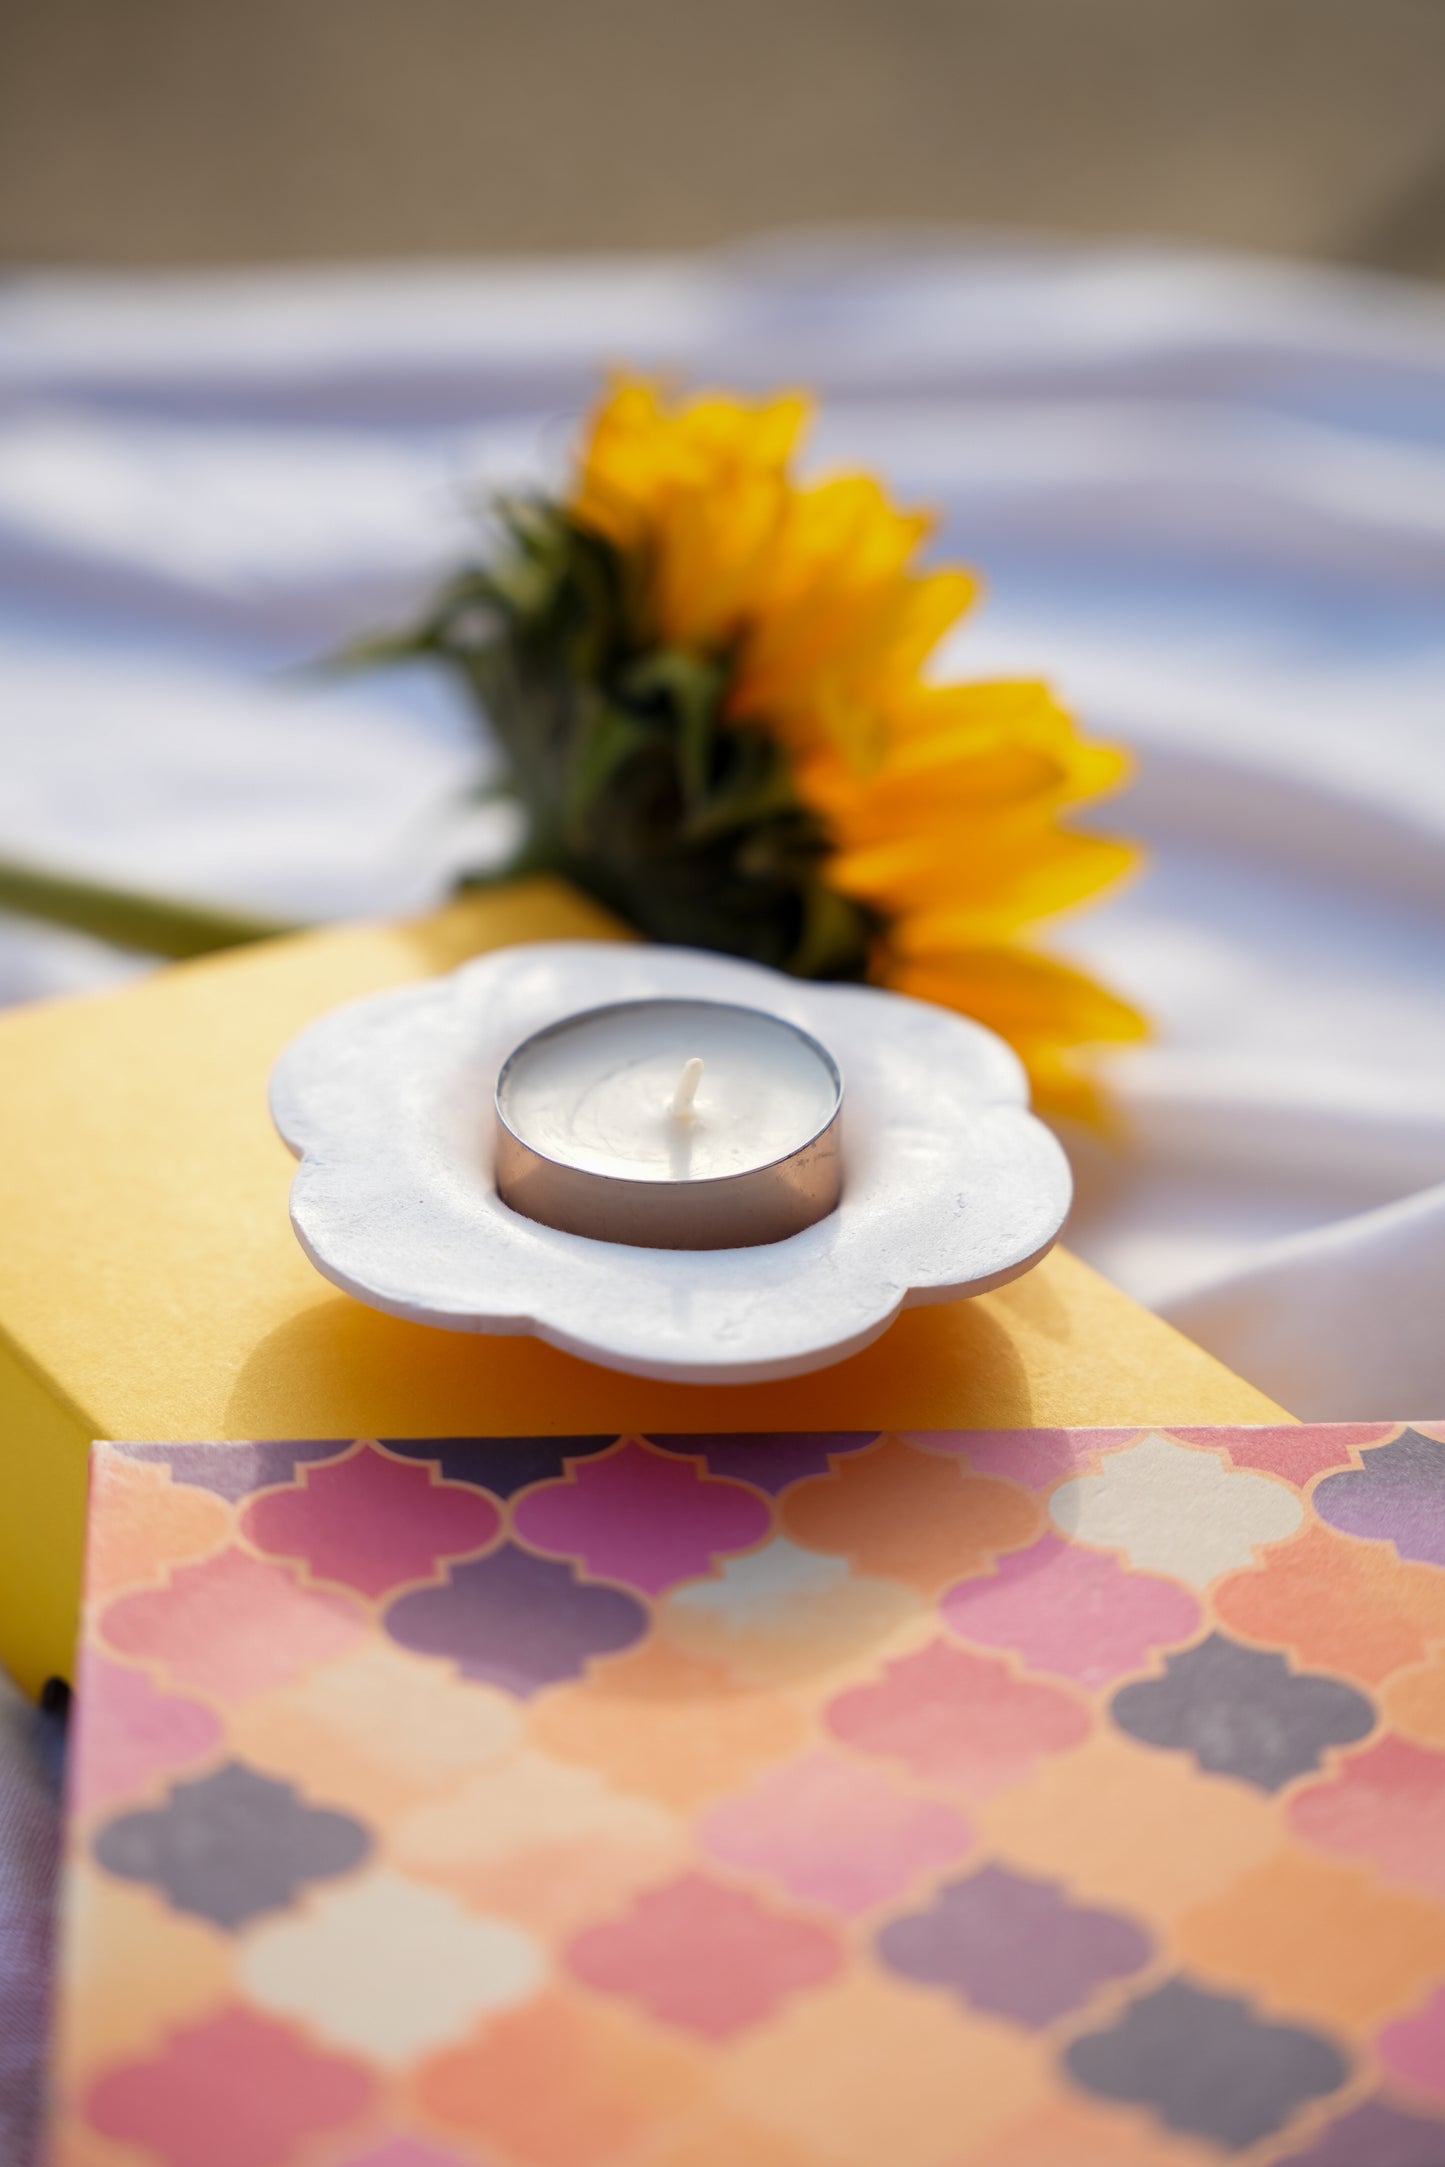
(951, 1185)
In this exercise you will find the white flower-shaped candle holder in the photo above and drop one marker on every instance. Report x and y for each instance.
(950, 1185)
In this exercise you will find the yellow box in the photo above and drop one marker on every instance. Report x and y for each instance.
(151, 1287)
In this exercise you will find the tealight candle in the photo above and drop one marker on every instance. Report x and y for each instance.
(671, 1124)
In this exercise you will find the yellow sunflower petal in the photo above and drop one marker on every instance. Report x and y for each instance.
(964, 758)
(621, 462)
(707, 556)
(929, 606)
(765, 433)
(841, 609)
(1062, 1082)
(1020, 993)
(639, 454)
(1007, 791)
(937, 894)
(1044, 1008)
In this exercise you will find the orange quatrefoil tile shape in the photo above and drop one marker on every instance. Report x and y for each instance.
(560, 2083)
(669, 1727)
(149, 1523)
(1337, 1605)
(322, 1729)
(1323, 1938)
(902, 1514)
(1132, 1829)
(546, 1843)
(918, 2080)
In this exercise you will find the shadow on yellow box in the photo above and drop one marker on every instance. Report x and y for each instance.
(151, 1287)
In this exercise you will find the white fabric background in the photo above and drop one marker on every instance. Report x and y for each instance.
(1209, 500)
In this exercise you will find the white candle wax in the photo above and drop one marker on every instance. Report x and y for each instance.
(618, 1091)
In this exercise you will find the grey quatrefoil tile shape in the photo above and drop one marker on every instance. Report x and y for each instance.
(1243, 1712)
(1015, 1946)
(1206, 2064)
(231, 1845)
(502, 1465)
(1397, 1494)
(517, 1620)
(769, 1459)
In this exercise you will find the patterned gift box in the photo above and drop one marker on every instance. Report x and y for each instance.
(961, 1799)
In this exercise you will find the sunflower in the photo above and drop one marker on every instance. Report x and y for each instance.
(710, 685)
(947, 807)
(709, 682)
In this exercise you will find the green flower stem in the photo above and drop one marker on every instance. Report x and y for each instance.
(153, 925)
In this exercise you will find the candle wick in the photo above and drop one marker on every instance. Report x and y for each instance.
(686, 1091)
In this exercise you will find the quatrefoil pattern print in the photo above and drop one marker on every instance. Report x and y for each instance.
(1057, 1798)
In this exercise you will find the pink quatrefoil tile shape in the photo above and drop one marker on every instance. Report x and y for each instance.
(1384, 1806)
(834, 1831)
(132, 1732)
(952, 1717)
(372, 1522)
(237, 2091)
(642, 1518)
(703, 1956)
(1072, 1611)
(199, 1630)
